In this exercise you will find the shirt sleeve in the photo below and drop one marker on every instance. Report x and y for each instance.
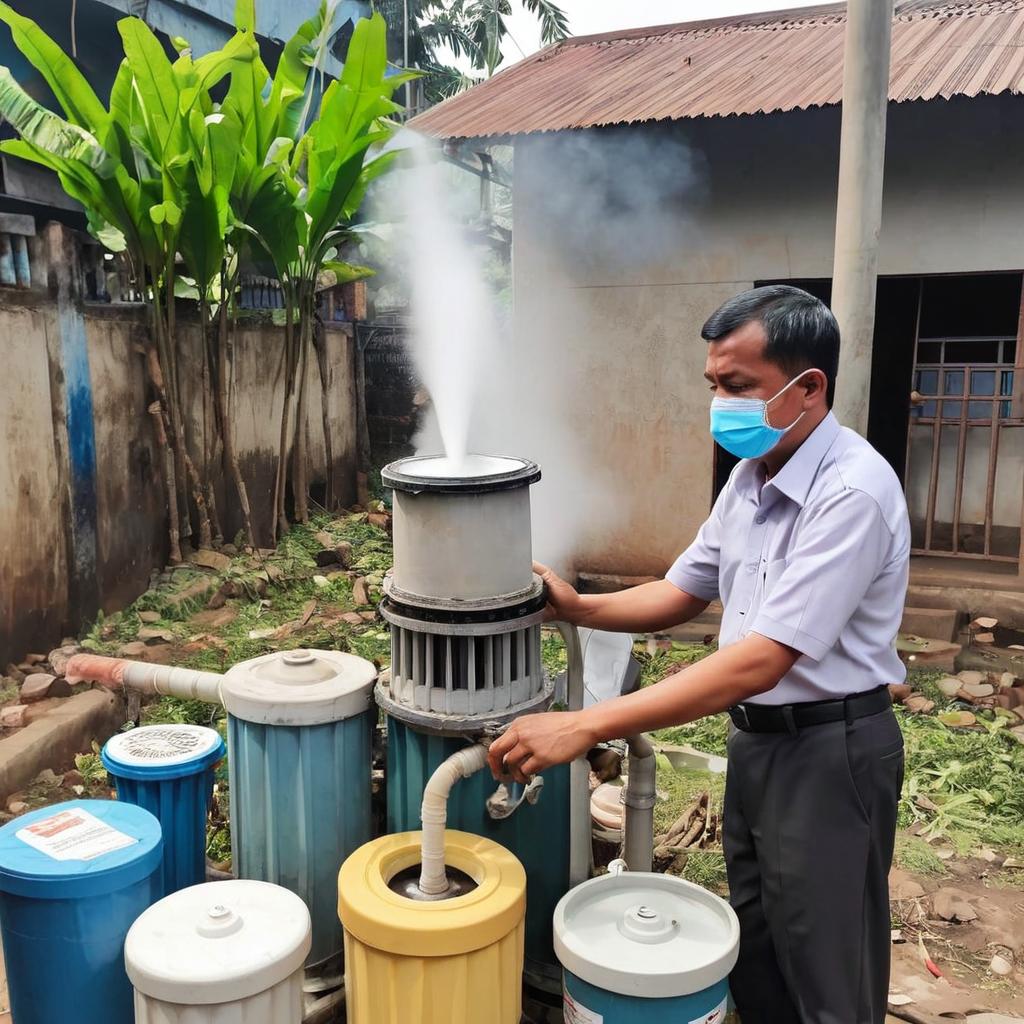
(837, 556)
(695, 571)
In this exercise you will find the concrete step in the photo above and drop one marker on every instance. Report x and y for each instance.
(933, 623)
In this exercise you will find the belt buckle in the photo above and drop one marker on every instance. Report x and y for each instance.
(741, 711)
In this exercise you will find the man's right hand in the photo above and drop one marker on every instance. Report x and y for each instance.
(564, 604)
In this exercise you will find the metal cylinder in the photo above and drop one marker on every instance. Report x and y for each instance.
(462, 534)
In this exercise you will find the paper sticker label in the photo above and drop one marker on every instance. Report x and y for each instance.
(74, 835)
(716, 1016)
(576, 1013)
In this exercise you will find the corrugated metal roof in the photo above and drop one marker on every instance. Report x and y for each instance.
(785, 60)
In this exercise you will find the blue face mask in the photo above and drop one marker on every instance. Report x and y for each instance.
(740, 425)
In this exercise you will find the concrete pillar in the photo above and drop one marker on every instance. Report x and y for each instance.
(859, 207)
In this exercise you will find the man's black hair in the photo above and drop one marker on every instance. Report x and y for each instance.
(802, 333)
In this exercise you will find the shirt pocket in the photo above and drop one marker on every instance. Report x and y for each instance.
(772, 571)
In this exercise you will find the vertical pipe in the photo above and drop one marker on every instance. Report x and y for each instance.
(580, 849)
(7, 275)
(859, 203)
(22, 269)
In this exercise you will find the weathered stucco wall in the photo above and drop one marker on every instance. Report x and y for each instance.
(36, 604)
(708, 207)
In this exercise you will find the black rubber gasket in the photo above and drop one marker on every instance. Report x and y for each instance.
(399, 479)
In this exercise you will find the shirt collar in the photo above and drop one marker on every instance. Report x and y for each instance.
(796, 476)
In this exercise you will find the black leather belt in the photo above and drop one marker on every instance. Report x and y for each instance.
(792, 718)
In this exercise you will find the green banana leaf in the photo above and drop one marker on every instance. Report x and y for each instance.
(48, 131)
(80, 103)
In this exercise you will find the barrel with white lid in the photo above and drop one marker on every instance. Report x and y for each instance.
(168, 769)
(300, 731)
(73, 878)
(220, 953)
(644, 948)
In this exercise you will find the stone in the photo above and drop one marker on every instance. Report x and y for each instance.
(1000, 965)
(149, 617)
(73, 778)
(324, 539)
(17, 807)
(47, 777)
(970, 678)
(196, 591)
(903, 887)
(361, 592)
(150, 635)
(210, 560)
(13, 716)
(230, 550)
(60, 657)
(42, 685)
(952, 905)
(216, 618)
(345, 553)
(15, 673)
(218, 600)
(35, 659)
(352, 618)
(368, 616)
(379, 519)
(326, 556)
(133, 650)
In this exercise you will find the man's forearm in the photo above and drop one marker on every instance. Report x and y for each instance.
(721, 680)
(644, 609)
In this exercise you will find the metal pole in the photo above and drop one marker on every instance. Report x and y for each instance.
(405, 56)
(859, 205)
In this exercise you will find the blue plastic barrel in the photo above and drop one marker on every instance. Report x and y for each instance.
(168, 769)
(638, 947)
(73, 878)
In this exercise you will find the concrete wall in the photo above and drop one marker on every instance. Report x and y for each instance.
(700, 211)
(37, 603)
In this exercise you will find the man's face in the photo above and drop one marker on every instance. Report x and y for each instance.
(736, 368)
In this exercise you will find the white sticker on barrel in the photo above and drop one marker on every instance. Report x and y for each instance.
(74, 835)
(576, 1013)
(716, 1016)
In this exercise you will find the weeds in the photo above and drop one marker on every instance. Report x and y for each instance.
(913, 854)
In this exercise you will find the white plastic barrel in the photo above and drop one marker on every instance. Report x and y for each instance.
(220, 953)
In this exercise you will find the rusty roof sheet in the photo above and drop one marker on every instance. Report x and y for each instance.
(784, 60)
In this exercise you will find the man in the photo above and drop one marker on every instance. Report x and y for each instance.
(807, 546)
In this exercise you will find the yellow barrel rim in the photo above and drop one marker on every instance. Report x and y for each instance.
(378, 917)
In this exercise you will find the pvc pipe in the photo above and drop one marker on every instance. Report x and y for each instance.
(165, 680)
(434, 813)
(638, 844)
(580, 845)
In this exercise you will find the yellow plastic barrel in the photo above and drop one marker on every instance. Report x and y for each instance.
(453, 961)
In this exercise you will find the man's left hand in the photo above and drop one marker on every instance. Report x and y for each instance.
(535, 742)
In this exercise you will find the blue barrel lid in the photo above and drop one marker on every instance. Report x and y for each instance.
(155, 752)
(77, 849)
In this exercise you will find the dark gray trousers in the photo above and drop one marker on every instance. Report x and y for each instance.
(810, 823)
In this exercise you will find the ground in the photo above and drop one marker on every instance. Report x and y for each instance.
(961, 843)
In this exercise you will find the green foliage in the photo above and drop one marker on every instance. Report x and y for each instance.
(913, 854)
(91, 768)
(708, 735)
(175, 711)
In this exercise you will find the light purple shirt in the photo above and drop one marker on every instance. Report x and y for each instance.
(817, 558)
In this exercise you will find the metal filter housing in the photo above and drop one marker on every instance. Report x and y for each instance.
(462, 532)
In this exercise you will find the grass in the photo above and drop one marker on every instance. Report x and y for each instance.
(913, 854)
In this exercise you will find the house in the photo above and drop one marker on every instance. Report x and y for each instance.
(660, 170)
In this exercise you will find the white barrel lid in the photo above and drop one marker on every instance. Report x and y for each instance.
(152, 746)
(218, 942)
(646, 935)
(299, 688)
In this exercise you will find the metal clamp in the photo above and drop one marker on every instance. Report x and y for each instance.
(500, 804)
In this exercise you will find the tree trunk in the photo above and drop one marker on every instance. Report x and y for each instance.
(300, 450)
(320, 345)
(226, 428)
(211, 429)
(280, 518)
(157, 413)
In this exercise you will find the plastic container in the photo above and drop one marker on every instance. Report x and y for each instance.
(638, 947)
(536, 834)
(220, 953)
(168, 769)
(453, 961)
(300, 731)
(73, 878)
